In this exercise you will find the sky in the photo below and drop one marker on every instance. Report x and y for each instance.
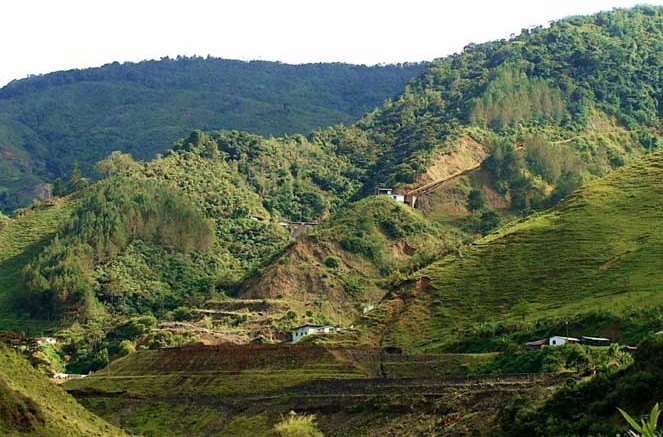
(41, 36)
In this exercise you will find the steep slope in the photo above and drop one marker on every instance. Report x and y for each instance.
(21, 240)
(596, 253)
(48, 122)
(346, 263)
(31, 406)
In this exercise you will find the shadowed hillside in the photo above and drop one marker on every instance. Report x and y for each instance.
(32, 406)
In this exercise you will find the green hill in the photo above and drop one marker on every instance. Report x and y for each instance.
(593, 257)
(346, 263)
(582, 96)
(32, 406)
(48, 122)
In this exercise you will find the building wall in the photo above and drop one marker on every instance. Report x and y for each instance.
(557, 341)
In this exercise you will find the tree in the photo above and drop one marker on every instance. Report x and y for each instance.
(76, 179)
(476, 200)
(59, 188)
(489, 220)
(116, 162)
(577, 357)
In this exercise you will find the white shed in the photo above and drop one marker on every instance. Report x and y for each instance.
(390, 193)
(558, 340)
(308, 329)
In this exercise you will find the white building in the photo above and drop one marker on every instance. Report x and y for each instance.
(67, 376)
(309, 329)
(558, 340)
(46, 340)
(390, 192)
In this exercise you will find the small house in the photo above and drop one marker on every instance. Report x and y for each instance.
(67, 376)
(309, 329)
(558, 340)
(390, 193)
(46, 340)
(595, 341)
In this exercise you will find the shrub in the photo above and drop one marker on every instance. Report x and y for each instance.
(333, 262)
(182, 314)
(295, 425)
(127, 347)
(476, 200)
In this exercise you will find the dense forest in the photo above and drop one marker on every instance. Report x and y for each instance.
(50, 122)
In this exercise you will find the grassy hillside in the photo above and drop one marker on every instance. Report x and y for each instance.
(32, 406)
(150, 238)
(21, 239)
(201, 222)
(48, 122)
(593, 256)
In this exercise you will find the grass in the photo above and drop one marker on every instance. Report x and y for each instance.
(22, 239)
(598, 251)
(30, 405)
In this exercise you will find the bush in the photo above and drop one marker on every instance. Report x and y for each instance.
(333, 262)
(182, 314)
(127, 347)
(476, 200)
(297, 426)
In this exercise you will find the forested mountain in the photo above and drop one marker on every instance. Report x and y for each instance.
(586, 87)
(49, 122)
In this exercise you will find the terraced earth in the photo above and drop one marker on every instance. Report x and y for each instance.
(231, 390)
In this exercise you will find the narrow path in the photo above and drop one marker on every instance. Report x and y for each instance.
(425, 189)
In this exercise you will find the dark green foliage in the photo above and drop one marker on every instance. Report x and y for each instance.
(565, 90)
(570, 357)
(115, 213)
(476, 200)
(47, 122)
(590, 408)
(489, 221)
(182, 314)
(333, 262)
(59, 188)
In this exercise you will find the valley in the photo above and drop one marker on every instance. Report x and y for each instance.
(490, 201)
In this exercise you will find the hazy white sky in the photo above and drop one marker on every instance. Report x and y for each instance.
(40, 36)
